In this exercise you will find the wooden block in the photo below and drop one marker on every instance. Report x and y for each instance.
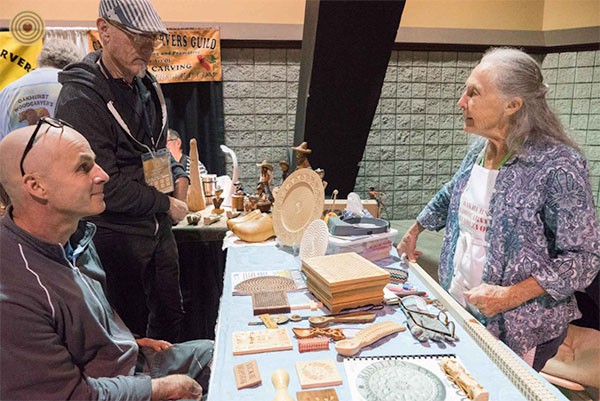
(344, 270)
(321, 373)
(317, 395)
(270, 302)
(247, 375)
(253, 342)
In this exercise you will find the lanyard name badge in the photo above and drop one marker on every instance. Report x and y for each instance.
(157, 170)
(156, 163)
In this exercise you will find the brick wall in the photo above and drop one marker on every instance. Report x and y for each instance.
(416, 140)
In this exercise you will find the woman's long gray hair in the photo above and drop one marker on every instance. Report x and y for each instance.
(516, 74)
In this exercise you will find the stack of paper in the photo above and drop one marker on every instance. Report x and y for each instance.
(345, 280)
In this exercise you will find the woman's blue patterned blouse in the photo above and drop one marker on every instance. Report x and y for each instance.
(543, 225)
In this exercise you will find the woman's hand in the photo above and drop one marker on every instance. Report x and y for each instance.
(408, 243)
(494, 299)
(156, 345)
(489, 299)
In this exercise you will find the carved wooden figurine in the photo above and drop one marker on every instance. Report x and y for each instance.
(321, 173)
(217, 201)
(266, 180)
(457, 373)
(285, 169)
(302, 153)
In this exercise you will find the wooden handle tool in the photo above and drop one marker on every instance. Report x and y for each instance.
(323, 321)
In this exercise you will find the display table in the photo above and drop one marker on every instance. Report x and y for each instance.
(236, 311)
(201, 263)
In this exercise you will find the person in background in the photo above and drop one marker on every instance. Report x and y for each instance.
(61, 339)
(174, 146)
(521, 230)
(24, 101)
(113, 100)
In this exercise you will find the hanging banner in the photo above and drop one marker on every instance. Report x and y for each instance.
(16, 59)
(187, 55)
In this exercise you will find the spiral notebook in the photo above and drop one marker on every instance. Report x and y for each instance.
(400, 377)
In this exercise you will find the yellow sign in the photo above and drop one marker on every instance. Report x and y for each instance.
(16, 59)
(187, 55)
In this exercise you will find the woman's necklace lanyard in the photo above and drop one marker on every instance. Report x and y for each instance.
(502, 162)
(145, 118)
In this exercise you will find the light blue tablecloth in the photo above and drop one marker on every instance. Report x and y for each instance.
(236, 311)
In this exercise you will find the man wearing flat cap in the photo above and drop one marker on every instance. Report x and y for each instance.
(118, 106)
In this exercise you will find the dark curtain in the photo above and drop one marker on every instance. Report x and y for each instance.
(196, 111)
(350, 56)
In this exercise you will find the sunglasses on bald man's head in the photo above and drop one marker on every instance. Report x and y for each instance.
(51, 122)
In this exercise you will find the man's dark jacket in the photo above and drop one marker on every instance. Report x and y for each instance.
(104, 118)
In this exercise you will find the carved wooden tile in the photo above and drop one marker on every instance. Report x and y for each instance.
(247, 375)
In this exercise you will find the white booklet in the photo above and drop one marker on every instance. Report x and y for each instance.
(400, 378)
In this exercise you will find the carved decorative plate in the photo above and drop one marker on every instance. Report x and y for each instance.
(298, 203)
(314, 240)
(395, 380)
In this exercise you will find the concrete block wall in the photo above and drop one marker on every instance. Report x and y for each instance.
(260, 90)
(416, 141)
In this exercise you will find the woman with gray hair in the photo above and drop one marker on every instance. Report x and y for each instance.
(521, 229)
(58, 53)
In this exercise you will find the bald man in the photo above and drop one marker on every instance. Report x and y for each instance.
(60, 337)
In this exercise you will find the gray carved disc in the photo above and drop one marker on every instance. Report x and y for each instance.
(396, 380)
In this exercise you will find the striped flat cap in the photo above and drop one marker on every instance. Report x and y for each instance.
(137, 15)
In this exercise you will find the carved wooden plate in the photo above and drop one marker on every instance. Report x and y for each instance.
(298, 203)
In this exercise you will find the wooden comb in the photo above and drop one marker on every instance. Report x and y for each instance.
(270, 302)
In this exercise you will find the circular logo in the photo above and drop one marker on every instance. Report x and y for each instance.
(27, 27)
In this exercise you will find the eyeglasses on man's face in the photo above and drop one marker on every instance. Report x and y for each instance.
(51, 122)
(137, 38)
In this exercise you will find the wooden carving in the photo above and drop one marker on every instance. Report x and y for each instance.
(195, 198)
(457, 373)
